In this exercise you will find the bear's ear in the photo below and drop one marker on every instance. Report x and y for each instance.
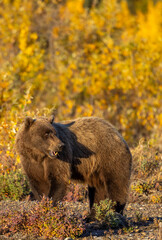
(51, 119)
(28, 122)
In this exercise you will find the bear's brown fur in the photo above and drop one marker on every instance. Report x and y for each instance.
(87, 150)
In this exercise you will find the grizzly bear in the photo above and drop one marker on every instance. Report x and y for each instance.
(86, 150)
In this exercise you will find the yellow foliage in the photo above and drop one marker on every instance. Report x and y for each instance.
(155, 199)
(150, 25)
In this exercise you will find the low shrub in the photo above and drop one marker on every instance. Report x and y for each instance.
(146, 172)
(13, 185)
(106, 215)
(76, 193)
(40, 219)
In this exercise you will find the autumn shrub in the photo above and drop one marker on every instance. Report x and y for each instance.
(76, 192)
(146, 176)
(13, 185)
(110, 65)
(40, 219)
(147, 159)
(106, 214)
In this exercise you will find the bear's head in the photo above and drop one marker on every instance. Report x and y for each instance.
(41, 135)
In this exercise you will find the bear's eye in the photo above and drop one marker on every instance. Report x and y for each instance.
(46, 135)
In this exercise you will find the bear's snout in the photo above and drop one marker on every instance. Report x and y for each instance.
(55, 149)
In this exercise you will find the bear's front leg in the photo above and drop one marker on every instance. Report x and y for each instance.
(57, 191)
(39, 189)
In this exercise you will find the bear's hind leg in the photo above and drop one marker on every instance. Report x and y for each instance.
(119, 208)
(91, 196)
(95, 194)
(117, 193)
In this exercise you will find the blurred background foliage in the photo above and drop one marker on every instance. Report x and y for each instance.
(86, 58)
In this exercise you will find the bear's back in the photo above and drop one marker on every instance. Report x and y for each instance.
(97, 133)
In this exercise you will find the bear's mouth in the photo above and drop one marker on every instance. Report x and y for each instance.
(53, 154)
